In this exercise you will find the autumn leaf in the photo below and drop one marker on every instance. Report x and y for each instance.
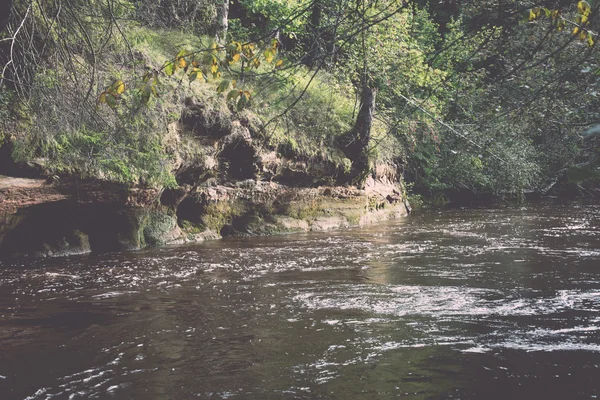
(119, 87)
(584, 8)
(269, 55)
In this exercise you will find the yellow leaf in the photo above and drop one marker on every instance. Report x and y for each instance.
(214, 68)
(248, 50)
(119, 87)
(269, 55)
(575, 31)
(279, 64)
(182, 62)
(584, 19)
(102, 98)
(236, 57)
(584, 7)
(590, 41)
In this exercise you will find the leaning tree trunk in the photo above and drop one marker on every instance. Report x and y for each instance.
(222, 22)
(355, 144)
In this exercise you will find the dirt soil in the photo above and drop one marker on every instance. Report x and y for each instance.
(17, 193)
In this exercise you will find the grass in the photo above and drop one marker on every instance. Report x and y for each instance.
(299, 115)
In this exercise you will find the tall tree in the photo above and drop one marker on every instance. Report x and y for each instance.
(222, 21)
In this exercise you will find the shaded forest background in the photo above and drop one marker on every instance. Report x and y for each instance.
(485, 98)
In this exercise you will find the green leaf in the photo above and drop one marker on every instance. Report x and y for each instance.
(169, 68)
(231, 48)
(181, 54)
(233, 94)
(241, 103)
(548, 12)
(146, 94)
(111, 101)
(223, 86)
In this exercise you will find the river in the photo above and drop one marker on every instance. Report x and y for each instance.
(456, 304)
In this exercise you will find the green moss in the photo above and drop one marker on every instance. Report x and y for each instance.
(190, 229)
(218, 214)
(156, 226)
(304, 210)
(354, 218)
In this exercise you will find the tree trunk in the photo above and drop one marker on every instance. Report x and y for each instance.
(355, 144)
(315, 15)
(315, 47)
(222, 22)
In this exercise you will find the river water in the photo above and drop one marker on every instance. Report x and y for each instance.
(459, 304)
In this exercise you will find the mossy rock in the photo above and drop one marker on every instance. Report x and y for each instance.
(157, 227)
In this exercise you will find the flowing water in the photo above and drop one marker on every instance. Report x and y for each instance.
(460, 304)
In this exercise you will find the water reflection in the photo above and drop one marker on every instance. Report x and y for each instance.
(447, 305)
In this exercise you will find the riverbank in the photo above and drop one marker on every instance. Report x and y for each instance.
(39, 218)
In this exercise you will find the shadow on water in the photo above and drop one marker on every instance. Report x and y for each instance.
(462, 304)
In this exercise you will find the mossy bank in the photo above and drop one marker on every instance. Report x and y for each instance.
(59, 224)
(228, 180)
(187, 164)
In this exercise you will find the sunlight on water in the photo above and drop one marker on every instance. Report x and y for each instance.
(435, 306)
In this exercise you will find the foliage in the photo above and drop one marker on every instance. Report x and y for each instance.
(192, 15)
(483, 96)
